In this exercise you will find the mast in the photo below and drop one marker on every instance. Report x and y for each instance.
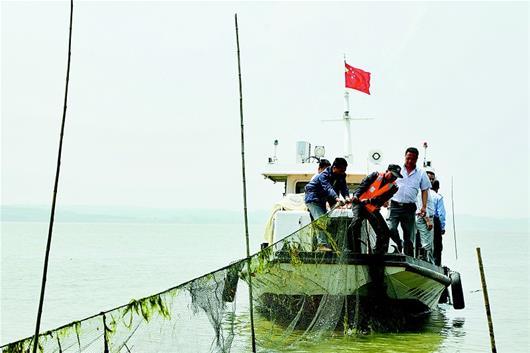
(348, 149)
(346, 117)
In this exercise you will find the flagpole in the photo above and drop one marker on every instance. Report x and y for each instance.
(347, 123)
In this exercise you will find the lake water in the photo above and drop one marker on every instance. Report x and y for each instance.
(98, 266)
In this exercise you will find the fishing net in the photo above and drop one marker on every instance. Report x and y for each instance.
(300, 295)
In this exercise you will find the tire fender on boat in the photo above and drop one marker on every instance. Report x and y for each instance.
(456, 291)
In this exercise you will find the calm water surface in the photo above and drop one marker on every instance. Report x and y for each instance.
(95, 267)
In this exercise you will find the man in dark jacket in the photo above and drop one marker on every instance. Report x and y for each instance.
(326, 187)
(373, 192)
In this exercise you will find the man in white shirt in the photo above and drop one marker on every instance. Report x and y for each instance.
(403, 203)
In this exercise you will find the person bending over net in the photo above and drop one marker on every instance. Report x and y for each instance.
(373, 192)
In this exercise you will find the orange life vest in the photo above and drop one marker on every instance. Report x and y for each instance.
(376, 190)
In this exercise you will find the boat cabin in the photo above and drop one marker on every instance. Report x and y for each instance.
(290, 214)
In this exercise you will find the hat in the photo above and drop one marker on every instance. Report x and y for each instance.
(340, 162)
(395, 170)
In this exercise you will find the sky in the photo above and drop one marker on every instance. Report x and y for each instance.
(153, 106)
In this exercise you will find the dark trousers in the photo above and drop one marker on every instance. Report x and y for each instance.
(378, 224)
(404, 214)
(437, 242)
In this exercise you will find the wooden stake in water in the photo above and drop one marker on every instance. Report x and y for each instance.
(245, 191)
(486, 301)
(57, 171)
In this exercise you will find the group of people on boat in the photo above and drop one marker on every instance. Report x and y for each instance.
(411, 193)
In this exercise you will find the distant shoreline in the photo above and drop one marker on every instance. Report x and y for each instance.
(105, 214)
(126, 214)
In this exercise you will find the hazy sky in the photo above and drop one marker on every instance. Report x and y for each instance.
(153, 115)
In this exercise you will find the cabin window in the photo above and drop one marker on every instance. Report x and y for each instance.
(299, 188)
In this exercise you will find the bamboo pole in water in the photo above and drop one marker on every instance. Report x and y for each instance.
(453, 214)
(249, 274)
(57, 172)
(486, 301)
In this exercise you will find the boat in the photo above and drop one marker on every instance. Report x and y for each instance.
(293, 283)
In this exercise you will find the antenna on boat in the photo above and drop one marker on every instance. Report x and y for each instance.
(425, 163)
(274, 158)
(54, 199)
(249, 272)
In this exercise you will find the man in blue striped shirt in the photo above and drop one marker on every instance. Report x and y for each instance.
(439, 220)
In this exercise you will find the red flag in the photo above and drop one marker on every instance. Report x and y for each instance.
(357, 79)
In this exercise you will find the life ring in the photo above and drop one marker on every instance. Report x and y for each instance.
(456, 291)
